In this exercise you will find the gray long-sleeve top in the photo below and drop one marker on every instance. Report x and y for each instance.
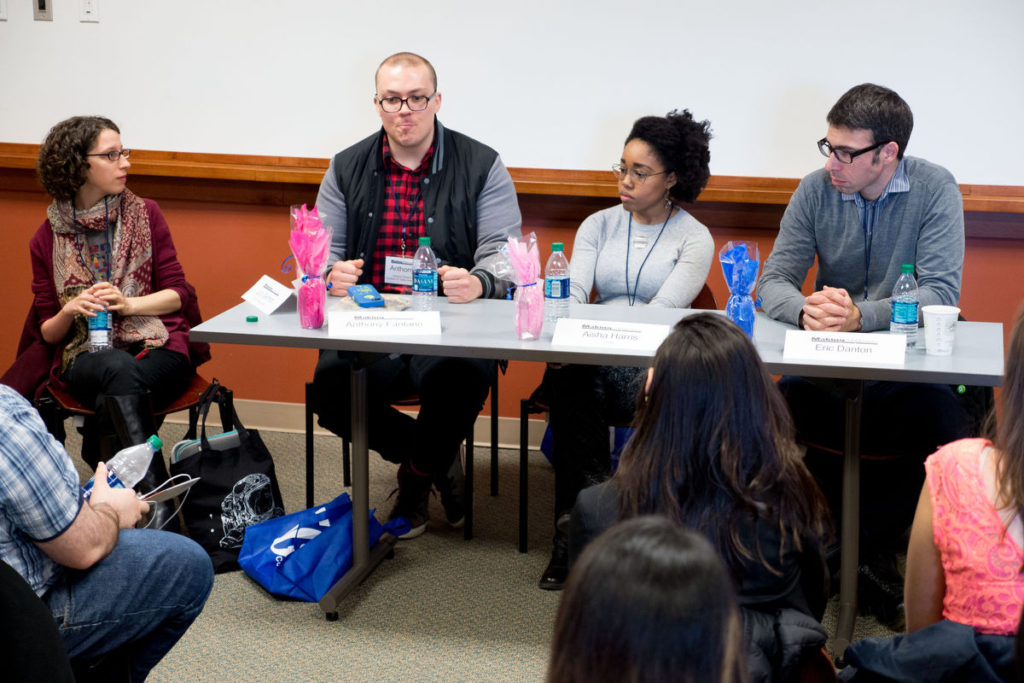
(923, 226)
(673, 274)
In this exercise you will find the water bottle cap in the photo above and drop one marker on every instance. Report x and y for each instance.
(907, 268)
(155, 442)
(424, 241)
(557, 246)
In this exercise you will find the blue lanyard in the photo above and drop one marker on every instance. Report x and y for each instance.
(106, 224)
(629, 247)
(398, 207)
(868, 221)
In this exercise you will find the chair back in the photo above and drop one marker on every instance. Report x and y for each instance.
(705, 299)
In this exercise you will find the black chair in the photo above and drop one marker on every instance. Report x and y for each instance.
(56, 405)
(412, 400)
(537, 403)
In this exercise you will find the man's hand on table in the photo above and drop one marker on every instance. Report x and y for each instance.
(830, 310)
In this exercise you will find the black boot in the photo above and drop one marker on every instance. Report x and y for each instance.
(554, 575)
(133, 420)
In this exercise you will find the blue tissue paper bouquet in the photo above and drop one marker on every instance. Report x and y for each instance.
(741, 262)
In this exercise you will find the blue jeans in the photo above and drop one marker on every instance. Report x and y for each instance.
(144, 595)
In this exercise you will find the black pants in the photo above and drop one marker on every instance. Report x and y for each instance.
(585, 400)
(901, 425)
(451, 392)
(165, 374)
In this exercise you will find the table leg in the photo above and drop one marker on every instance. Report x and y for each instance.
(850, 546)
(363, 560)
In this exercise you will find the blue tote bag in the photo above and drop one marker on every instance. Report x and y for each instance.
(303, 554)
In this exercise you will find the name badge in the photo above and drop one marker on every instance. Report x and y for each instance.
(856, 347)
(398, 271)
(376, 324)
(605, 334)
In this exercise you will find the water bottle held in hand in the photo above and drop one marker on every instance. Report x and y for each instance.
(99, 331)
(424, 277)
(905, 306)
(556, 284)
(128, 465)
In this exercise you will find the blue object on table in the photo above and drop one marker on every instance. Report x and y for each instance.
(741, 262)
(366, 296)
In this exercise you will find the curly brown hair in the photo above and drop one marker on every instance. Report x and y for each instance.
(62, 161)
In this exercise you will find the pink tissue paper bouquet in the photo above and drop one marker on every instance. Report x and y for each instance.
(524, 257)
(310, 241)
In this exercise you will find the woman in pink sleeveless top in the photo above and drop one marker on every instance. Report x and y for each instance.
(965, 557)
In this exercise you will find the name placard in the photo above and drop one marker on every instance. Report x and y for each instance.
(609, 334)
(889, 349)
(372, 324)
(267, 294)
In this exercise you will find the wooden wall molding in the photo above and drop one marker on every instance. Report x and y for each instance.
(281, 177)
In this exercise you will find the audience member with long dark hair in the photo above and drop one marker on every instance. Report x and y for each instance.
(647, 601)
(646, 251)
(964, 588)
(714, 451)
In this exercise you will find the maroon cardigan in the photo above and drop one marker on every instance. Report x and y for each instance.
(38, 362)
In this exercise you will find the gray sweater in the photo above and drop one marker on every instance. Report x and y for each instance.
(672, 276)
(923, 226)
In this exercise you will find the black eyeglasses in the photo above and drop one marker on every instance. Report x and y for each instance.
(113, 155)
(393, 105)
(845, 156)
(638, 176)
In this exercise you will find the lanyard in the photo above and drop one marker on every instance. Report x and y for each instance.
(868, 221)
(106, 231)
(629, 247)
(404, 220)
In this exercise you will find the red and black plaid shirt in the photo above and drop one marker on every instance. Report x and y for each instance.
(402, 219)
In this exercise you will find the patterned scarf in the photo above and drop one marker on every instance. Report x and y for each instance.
(131, 266)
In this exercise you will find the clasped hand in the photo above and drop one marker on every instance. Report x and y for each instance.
(460, 285)
(102, 296)
(128, 508)
(830, 310)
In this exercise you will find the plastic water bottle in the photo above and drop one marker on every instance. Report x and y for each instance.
(424, 277)
(556, 284)
(128, 465)
(99, 331)
(904, 305)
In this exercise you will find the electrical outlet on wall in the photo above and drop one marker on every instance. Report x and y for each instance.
(88, 11)
(42, 10)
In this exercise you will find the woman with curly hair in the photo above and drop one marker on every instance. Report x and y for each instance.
(104, 251)
(647, 251)
(713, 450)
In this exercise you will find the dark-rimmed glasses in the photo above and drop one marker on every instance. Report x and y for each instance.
(845, 156)
(638, 176)
(113, 155)
(393, 105)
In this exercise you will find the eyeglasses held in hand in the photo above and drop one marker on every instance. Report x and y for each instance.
(393, 105)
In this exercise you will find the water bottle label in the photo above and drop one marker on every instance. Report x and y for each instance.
(112, 481)
(904, 312)
(100, 322)
(424, 281)
(556, 288)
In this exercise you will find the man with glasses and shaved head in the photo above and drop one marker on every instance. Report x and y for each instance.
(415, 178)
(870, 210)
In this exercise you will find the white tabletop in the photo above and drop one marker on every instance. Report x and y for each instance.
(485, 329)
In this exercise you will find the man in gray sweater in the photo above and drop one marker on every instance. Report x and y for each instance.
(868, 211)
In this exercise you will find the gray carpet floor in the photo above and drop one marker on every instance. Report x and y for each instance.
(441, 609)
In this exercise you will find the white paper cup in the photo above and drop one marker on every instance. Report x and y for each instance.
(939, 329)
